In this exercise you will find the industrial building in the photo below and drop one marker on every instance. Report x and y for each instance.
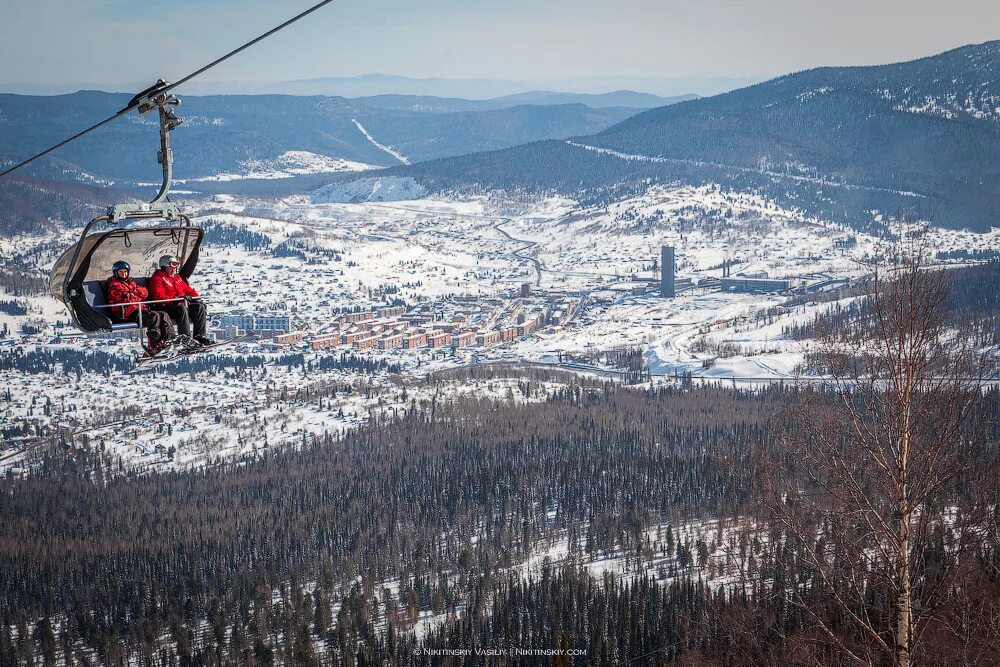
(755, 285)
(667, 270)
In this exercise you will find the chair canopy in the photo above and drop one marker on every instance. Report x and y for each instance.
(141, 248)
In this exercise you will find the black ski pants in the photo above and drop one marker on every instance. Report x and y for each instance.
(158, 325)
(189, 314)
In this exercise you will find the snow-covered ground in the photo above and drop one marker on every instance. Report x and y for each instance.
(589, 271)
(714, 549)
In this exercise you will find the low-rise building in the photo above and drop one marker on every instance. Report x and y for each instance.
(414, 341)
(353, 336)
(487, 338)
(366, 343)
(439, 339)
(121, 334)
(225, 333)
(289, 338)
(465, 338)
(323, 341)
(391, 341)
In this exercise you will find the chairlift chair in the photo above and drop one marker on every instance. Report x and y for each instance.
(79, 276)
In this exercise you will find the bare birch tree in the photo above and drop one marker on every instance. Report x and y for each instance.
(873, 492)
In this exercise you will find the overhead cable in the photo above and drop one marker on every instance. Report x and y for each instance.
(135, 103)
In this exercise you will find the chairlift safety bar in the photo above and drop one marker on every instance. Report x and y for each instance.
(136, 303)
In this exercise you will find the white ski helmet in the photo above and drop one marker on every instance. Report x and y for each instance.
(167, 260)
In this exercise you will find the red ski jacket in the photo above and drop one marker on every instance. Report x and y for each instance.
(125, 291)
(162, 286)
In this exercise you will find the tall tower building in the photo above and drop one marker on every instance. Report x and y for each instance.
(667, 271)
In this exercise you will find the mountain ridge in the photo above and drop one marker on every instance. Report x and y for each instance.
(222, 134)
(850, 144)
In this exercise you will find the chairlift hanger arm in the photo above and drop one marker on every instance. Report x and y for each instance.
(158, 97)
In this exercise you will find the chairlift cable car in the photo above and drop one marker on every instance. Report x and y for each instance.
(78, 276)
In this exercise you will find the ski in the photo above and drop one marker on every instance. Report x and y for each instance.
(177, 351)
(201, 349)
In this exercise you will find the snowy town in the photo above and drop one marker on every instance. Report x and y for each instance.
(364, 293)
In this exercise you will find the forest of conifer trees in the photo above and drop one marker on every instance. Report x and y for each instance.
(335, 553)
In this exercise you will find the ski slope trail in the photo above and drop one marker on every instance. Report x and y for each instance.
(629, 157)
(388, 149)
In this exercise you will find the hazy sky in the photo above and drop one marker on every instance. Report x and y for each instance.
(106, 41)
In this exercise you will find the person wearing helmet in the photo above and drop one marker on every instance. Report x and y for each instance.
(185, 306)
(123, 289)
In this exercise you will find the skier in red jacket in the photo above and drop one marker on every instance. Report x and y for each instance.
(189, 311)
(122, 288)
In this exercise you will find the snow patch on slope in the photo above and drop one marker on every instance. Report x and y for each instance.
(388, 188)
(809, 94)
(287, 165)
(977, 103)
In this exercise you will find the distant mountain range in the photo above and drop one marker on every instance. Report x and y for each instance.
(230, 134)
(842, 143)
(384, 84)
(625, 99)
(848, 144)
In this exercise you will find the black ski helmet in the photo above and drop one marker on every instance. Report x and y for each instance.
(118, 266)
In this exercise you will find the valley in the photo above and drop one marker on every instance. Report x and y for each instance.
(446, 284)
